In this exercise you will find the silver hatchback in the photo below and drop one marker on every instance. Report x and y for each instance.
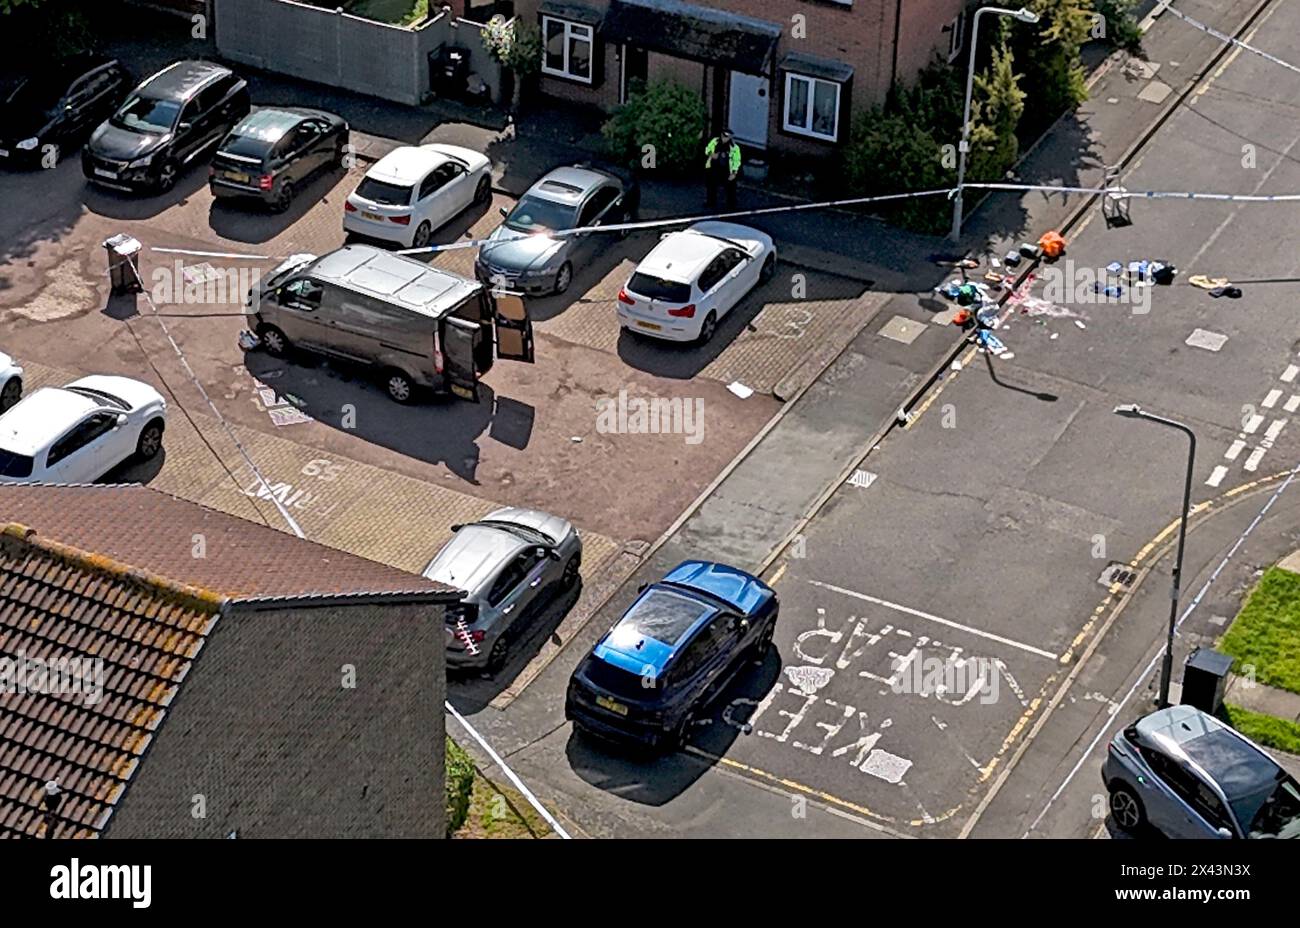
(1188, 775)
(503, 562)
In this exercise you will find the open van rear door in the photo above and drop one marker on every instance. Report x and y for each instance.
(514, 329)
(458, 367)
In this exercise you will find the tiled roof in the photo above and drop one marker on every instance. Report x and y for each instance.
(126, 638)
(161, 533)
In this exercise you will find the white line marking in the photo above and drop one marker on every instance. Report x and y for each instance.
(1234, 449)
(1271, 400)
(1275, 430)
(1254, 422)
(1288, 375)
(934, 618)
(1292, 404)
(1256, 456)
(1216, 478)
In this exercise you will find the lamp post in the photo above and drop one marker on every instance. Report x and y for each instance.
(1023, 15)
(1134, 411)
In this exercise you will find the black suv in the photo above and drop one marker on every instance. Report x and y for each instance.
(165, 123)
(53, 109)
(273, 152)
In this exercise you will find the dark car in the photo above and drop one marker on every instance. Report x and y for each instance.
(519, 254)
(52, 111)
(273, 152)
(673, 650)
(167, 122)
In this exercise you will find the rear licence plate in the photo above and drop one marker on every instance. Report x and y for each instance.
(238, 177)
(373, 217)
(100, 172)
(606, 703)
(654, 326)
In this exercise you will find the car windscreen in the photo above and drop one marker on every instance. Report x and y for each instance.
(144, 114)
(534, 214)
(1279, 813)
(15, 465)
(378, 191)
(662, 615)
(102, 397)
(656, 288)
(34, 96)
(525, 532)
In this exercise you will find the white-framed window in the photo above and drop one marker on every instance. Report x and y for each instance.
(567, 49)
(956, 35)
(812, 107)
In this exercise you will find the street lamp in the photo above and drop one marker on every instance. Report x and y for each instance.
(1023, 15)
(1134, 411)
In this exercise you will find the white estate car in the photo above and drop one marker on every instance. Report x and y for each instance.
(78, 433)
(412, 191)
(11, 382)
(693, 278)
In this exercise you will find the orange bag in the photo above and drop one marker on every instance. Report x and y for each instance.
(1052, 244)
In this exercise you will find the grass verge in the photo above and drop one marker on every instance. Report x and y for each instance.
(1266, 633)
(1265, 729)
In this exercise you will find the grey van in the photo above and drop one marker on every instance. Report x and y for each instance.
(420, 326)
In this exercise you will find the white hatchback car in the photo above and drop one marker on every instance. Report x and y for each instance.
(11, 382)
(78, 433)
(693, 278)
(412, 191)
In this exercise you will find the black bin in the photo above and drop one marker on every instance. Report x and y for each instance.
(1205, 677)
(123, 270)
(449, 71)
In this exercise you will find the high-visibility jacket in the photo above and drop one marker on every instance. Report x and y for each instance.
(733, 156)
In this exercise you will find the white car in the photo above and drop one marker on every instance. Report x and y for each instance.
(412, 191)
(11, 382)
(78, 433)
(693, 278)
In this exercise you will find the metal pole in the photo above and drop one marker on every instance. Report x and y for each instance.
(1167, 665)
(955, 235)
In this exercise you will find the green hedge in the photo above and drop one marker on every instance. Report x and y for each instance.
(460, 783)
(1271, 732)
(666, 116)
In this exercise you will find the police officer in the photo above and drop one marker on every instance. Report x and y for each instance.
(722, 166)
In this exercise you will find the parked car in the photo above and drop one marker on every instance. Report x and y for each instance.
(519, 254)
(274, 152)
(78, 433)
(53, 110)
(674, 649)
(166, 123)
(1189, 775)
(503, 562)
(420, 326)
(11, 382)
(693, 278)
(414, 190)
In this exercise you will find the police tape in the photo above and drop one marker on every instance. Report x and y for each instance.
(1227, 38)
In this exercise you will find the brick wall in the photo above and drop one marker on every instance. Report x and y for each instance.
(266, 732)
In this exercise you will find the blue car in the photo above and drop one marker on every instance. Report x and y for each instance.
(674, 649)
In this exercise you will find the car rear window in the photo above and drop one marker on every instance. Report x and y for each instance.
(662, 615)
(615, 680)
(15, 465)
(245, 146)
(377, 191)
(656, 288)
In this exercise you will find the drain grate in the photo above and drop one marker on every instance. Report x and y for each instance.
(1116, 572)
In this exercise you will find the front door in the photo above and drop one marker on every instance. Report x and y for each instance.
(748, 110)
(636, 69)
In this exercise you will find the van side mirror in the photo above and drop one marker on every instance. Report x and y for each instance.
(503, 211)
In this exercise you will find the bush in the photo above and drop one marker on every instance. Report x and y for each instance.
(516, 47)
(1121, 25)
(1049, 51)
(667, 116)
(460, 784)
(32, 33)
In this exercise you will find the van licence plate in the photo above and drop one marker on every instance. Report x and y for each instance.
(606, 703)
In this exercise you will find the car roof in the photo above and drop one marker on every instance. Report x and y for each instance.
(680, 256)
(391, 277)
(268, 125)
(183, 79)
(40, 417)
(1190, 735)
(473, 556)
(570, 184)
(407, 164)
(674, 612)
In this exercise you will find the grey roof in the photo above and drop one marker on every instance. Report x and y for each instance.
(814, 66)
(573, 11)
(382, 274)
(741, 43)
(183, 79)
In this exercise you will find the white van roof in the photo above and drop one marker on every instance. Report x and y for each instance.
(396, 278)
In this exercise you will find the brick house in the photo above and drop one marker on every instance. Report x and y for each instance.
(786, 75)
(186, 673)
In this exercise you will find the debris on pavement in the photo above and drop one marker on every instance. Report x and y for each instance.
(740, 389)
(1052, 245)
(1207, 283)
(248, 341)
(1232, 293)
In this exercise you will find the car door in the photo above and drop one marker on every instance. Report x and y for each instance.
(710, 286)
(299, 318)
(1172, 813)
(739, 275)
(307, 153)
(429, 206)
(457, 191)
(77, 456)
(189, 130)
(74, 111)
(594, 212)
(517, 586)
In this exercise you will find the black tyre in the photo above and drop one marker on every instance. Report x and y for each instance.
(11, 393)
(1126, 808)
(284, 199)
(709, 327)
(563, 277)
(572, 571)
(150, 441)
(423, 232)
(167, 175)
(399, 387)
(683, 737)
(483, 192)
(274, 340)
(497, 656)
(769, 269)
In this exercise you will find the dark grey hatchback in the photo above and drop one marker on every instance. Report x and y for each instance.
(272, 153)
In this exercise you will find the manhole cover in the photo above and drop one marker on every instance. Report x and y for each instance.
(902, 329)
(1117, 573)
(1204, 338)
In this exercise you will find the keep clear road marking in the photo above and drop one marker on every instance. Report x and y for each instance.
(934, 618)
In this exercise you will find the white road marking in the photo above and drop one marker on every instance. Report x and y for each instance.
(1275, 430)
(934, 618)
(862, 479)
(1288, 375)
(1234, 449)
(1256, 456)
(1293, 403)
(1217, 476)
(1254, 422)
(1271, 400)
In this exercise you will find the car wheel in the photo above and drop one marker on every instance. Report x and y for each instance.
(497, 656)
(709, 326)
(340, 156)
(150, 441)
(284, 199)
(483, 192)
(274, 340)
(764, 644)
(166, 177)
(423, 232)
(683, 738)
(769, 269)
(1126, 808)
(563, 277)
(399, 387)
(12, 393)
(571, 571)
